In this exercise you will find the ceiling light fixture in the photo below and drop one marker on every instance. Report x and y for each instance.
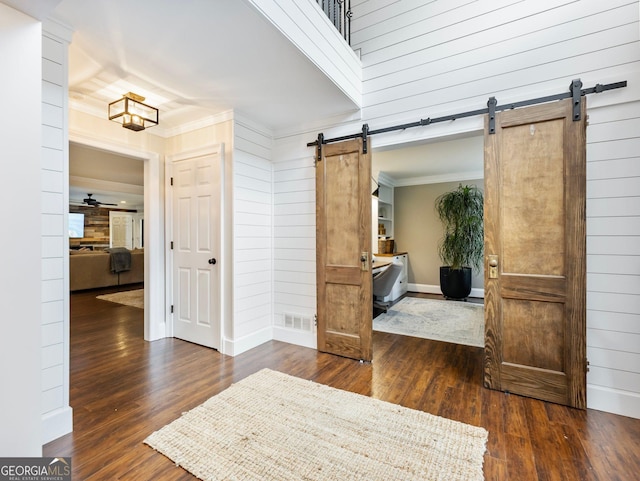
(132, 113)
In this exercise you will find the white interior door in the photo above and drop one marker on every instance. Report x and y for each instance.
(121, 229)
(137, 230)
(196, 225)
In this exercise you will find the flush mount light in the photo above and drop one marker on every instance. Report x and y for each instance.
(132, 113)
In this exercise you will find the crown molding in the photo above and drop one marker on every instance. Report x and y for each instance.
(202, 123)
(57, 28)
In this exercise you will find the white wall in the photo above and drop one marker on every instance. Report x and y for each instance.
(294, 205)
(613, 258)
(428, 59)
(252, 262)
(56, 412)
(20, 282)
(425, 59)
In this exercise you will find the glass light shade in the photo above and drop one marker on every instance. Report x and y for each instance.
(132, 113)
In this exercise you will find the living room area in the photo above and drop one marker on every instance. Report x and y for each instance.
(106, 226)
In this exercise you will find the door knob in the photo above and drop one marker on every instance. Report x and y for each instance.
(212, 261)
(493, 267)
(364, 261)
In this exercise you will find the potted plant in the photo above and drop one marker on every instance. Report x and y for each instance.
(461, 248)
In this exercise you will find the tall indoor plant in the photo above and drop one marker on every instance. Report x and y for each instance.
(462, 246)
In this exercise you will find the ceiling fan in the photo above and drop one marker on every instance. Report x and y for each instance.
(94, 202)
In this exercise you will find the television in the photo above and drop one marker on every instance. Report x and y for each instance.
(76, 225)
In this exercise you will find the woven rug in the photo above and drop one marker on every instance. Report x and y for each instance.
(133, 298)
(272, 426)
(450, 321)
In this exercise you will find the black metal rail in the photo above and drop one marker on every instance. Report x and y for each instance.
(339, 12)
(575, 92)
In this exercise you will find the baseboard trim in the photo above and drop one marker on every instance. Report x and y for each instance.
(290, 336)
(234, 347)
(433, 289)
(623, 403)
(56, 424)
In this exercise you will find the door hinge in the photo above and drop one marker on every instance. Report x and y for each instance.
(315, 320)
(586, 363)
(171, 245)
(171, 180)
(171, 308)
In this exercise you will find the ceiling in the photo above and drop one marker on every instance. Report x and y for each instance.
(111, 178)
(192, 59)
(196, 59)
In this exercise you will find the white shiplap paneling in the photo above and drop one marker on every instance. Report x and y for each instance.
(424, 59)
(57, 417)
(613, 259)
(452, 61)
(252, 219)
(294, 239)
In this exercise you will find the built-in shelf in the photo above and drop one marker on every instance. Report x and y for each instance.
(382, 214)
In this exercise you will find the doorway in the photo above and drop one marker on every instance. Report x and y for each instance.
(535, 317)
(417, 174)
(153, 232)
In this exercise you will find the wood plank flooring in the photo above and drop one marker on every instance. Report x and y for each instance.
(123, 388)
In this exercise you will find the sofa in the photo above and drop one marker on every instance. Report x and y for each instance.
(92, 269)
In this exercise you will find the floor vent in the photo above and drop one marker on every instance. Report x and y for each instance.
(298, 322)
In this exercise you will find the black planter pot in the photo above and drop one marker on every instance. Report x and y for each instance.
(455, 283)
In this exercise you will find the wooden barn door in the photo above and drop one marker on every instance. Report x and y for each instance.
(343, 250)
(535, 249)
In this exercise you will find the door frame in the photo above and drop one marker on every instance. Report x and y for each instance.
(223, 269)
(154, 292)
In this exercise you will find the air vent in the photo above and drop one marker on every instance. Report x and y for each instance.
(298, 322)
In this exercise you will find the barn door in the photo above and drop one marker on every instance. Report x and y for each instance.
(535, 249)
(343, 250)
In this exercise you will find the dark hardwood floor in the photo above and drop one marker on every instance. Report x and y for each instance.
(123, 388)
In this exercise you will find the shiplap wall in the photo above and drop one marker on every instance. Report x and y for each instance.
(294, 207)
(56, 412)
(252, 237)
(613, 258)
(424, 59)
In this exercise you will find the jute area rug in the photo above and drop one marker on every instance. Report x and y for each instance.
(272, 426)
(450, 321)
(133, 298)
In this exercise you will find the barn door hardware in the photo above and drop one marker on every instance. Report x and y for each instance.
(491, 104)
(319, 143)
(575, 92)
(365, 136)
